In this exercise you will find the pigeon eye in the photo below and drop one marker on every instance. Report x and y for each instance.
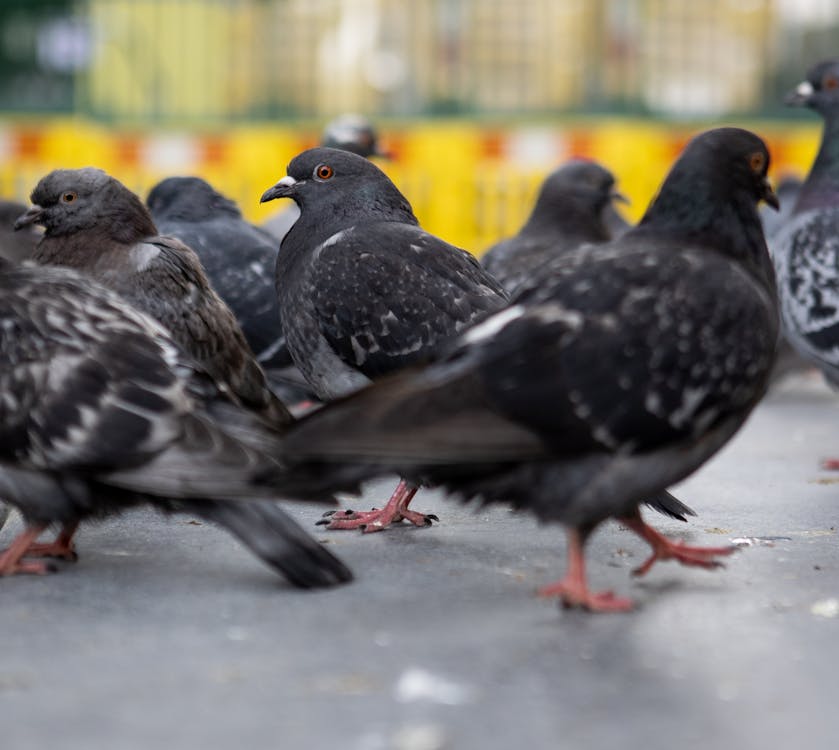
(757, 161)
(830, 82)
(323, 172)
(68, 197)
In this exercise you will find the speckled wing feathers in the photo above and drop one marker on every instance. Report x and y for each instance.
(806, 255)
(385, 295)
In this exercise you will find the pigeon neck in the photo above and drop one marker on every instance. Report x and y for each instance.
(569, 217)
(731, 227)
(821, 188)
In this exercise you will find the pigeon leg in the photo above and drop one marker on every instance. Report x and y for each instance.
(11, 561)
(573, 590)
(665, 549)
(62, 547)
(396, 509)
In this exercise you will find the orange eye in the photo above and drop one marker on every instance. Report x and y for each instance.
(323, 172)
(757, 161)
(68, 197)
(830, 82)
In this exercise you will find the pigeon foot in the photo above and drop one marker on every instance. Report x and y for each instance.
(666, 549)
(62, 547)
(573, 590)
(394, 511)
(11, 562)
(573, 593)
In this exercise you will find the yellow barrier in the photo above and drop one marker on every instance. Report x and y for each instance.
(470, 183)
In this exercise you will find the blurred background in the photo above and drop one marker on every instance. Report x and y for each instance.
(476, 100)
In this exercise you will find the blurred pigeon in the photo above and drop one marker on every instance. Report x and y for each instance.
(239, 259)
(364, 291)
(806, 248)
(102, 412)
(95, 224)
(569, 212)
(618, 372)
(15, 246)
(352, 133)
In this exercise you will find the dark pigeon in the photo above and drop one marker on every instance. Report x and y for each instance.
(15, 246)
(353, 133)
(101, 412)
(616, 374)
(93, 223)
(569, 212)
(239, 259)
(364, 291)
(806, 248)
(367, 292)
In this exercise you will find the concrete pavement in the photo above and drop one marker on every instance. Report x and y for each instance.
(167, 634)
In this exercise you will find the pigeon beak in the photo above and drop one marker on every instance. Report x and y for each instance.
(283, 189)
(800, 95)
(619, 197)
(768, 194)
(32, 216)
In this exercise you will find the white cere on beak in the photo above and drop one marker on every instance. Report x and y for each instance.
(805, 89)
(287, 181)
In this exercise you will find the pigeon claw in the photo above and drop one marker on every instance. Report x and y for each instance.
(376, 519)
(56, 549)
(38, 568)
(572, 594)
(700, 557)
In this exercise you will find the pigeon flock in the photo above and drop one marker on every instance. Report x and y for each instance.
(172, 354)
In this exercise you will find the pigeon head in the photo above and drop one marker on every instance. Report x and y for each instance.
(188, 199)
(820, 91)
(580, 185)
(68, 201)
(711, 195)
(353, 133)
(718, 167)
(338, 188)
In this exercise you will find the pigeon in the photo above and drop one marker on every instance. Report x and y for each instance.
(353, 133)
(368, 292)
(239, 258)
(93, 223)
(364, 291)
(15, 246)
(101, 411)
(805, 249)
(617, 373)
(569, 212)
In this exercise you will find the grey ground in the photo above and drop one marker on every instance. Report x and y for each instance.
(166, 634)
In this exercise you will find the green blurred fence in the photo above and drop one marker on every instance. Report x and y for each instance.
(205, 61)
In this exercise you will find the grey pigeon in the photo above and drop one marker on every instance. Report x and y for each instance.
(15, 246)
(616, 374)
(364, 291)
(353, 133)
(367, 292)
(569, 212)
(93, 223)
(806, 249)
(239, 259)
(101, 411)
